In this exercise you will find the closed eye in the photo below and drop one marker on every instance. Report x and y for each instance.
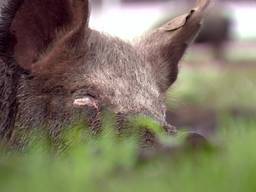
(86, 101)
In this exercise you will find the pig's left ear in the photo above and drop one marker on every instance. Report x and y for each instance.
(47, 35)
(165, 46)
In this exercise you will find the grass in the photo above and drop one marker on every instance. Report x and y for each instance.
(108, 164)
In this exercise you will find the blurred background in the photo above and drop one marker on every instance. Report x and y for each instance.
(218, 74)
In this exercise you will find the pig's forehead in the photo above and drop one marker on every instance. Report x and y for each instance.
(124, 83)
(106, 51)
(127, 93)
(116, 66)
(112, 62)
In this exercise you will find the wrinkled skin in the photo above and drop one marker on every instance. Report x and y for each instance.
(68, 72)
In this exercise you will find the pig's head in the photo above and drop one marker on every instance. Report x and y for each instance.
(71, 68)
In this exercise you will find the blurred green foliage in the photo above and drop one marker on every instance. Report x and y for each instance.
(108, 164)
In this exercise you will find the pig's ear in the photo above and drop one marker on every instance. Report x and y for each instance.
(165, 46)
(47, 34)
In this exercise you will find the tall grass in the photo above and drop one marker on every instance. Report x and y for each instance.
(110, 164)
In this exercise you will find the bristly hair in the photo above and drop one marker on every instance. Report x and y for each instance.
(8, 12)
(9, 70)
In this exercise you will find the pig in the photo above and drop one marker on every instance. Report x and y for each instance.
(55, 70)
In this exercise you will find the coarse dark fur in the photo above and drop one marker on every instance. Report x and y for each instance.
(55, 70)
(9, 72)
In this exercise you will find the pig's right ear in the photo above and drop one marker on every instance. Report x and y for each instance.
(164, 47)
(47, 34)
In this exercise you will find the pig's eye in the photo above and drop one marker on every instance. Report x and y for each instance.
(85, 98)
(86, 101)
